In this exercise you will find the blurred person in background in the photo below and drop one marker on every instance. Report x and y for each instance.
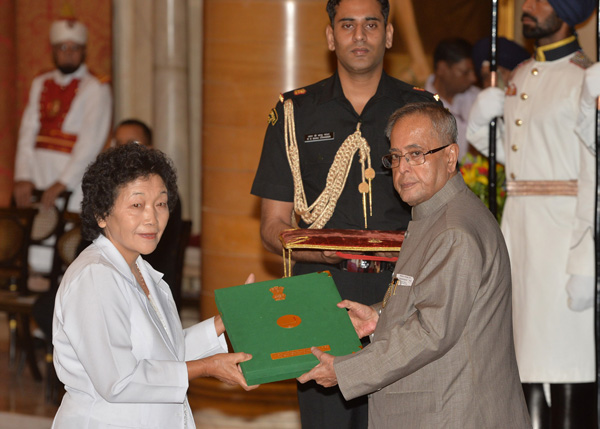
(454, 79)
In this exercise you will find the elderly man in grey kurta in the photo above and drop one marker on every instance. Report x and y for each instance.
(441, 352)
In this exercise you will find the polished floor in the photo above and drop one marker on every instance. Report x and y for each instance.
(23, 404)
(19, 392)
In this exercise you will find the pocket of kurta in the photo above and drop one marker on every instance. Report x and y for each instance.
(410, 402)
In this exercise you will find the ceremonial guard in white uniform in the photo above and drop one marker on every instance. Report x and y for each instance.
(554, 339)
(66, 121)
(64, 126)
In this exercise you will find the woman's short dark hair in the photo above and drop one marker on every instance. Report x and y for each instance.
(114, 169)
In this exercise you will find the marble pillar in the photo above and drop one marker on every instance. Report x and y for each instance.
(195, 49)
(158, 79)
(171, 121)
(133, 53)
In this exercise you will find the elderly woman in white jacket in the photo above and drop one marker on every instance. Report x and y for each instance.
(119, 347)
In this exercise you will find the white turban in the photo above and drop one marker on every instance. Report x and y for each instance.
(68, 30)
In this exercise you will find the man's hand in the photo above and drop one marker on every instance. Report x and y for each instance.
(389, 254)
(329, 256)
(50, 194)
(364, 318)
(22, 192)
(276, 217)
(323, 373)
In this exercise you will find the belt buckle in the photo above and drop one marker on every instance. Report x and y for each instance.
(363, 266)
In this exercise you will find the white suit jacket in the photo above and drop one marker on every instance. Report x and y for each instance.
(120, 366)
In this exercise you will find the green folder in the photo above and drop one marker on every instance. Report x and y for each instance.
(278, 321)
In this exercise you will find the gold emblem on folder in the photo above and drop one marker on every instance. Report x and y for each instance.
(277, 292)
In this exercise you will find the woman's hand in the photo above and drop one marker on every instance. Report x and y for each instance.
(222, 366)
(219, 325)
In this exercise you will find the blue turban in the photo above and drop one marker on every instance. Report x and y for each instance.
(573, 12)
(509, 54)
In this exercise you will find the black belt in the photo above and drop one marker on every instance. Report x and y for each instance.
(365, 266)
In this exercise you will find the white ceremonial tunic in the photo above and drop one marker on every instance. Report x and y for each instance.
(553, 343)
(121, 356)
(89, 118)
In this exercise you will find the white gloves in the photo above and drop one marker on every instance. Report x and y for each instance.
(488, 105)
(581, 291)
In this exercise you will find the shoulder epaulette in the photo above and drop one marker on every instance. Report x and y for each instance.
(290, 94)
(581, 59)
(436, 97)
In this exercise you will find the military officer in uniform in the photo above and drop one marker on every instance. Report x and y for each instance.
(348, 108)
(554, 341)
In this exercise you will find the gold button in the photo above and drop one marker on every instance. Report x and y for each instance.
(519, 122)
(524, 96)
(512, 176)
(534, 72)
(514, 148)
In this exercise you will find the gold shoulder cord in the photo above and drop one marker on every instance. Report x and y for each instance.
(322, 209)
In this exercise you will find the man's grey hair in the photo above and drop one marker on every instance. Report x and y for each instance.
(442, 120)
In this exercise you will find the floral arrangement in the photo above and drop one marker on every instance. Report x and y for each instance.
(474, 170)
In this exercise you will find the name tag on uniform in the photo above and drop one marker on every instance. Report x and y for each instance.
(319, 137)
(404, 280)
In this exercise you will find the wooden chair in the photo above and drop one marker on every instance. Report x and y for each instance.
(49, 224)
(65, 249)
(16, 227)
(65, 252)
(46, 226)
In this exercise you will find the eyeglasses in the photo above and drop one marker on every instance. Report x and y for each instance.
(415, 157)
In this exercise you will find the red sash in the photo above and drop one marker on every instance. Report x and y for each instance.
(55, 103)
